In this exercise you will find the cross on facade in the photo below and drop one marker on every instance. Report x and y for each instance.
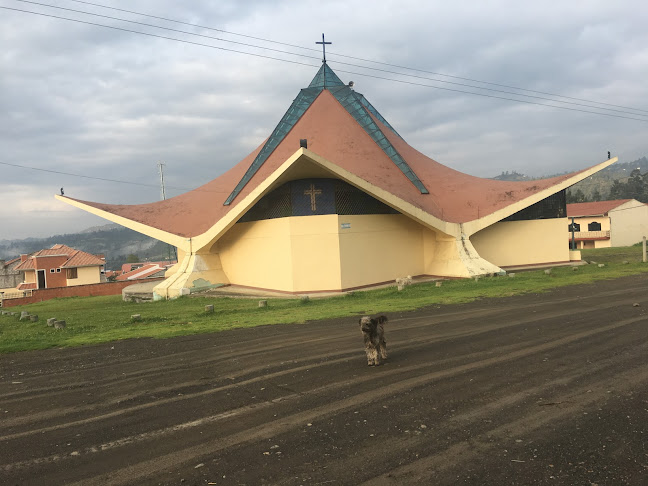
(312, 192)
(323, 48)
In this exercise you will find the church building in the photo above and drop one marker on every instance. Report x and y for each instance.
(335, 199)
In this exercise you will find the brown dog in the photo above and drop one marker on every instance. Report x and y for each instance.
(374, 338)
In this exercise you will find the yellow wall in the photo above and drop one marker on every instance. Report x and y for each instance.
(378, 248)
(258, 254)
(85, 275)
(510, 243)
(315, 250)
(629, 224)
(30, 276)
(310, 253)
(603, 220)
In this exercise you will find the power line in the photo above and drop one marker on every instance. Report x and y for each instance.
(105, 179)
(317, 58)
(340, 70)
(356, 58)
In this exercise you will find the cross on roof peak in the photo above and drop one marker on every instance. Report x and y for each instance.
(324, 43)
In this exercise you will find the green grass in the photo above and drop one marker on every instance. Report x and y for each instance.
(632, 254)
(100, 319)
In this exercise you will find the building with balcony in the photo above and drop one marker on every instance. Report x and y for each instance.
(602, 224)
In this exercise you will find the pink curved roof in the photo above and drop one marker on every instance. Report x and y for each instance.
(335, 135)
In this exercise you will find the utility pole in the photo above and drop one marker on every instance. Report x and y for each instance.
(163, 197)
(161, 171)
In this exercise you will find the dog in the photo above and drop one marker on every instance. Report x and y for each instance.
(374, 338)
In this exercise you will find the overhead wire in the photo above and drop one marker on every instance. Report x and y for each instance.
(104, 179)
(339, 70)
(625, 111)
(354, 57)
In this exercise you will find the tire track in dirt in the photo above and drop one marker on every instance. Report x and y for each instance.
(312, 362)
(154, 364)
(141, 470)
(337, 377)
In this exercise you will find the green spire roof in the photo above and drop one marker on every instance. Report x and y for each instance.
(357, 106)
(325, 78)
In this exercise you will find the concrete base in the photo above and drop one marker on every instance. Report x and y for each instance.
(140, 292)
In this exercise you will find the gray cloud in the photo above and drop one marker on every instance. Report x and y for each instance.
(105, 103)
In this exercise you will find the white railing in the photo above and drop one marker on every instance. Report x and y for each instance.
(586, 235)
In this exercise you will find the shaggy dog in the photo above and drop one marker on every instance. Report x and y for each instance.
(374, 338)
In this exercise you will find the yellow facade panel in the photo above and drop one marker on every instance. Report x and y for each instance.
(379, 248)
(85, 276)
(258, 254)
(510, 243)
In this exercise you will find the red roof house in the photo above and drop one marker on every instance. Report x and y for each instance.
(59, 266)
(602, 224)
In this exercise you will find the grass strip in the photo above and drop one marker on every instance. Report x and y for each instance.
(92, 320)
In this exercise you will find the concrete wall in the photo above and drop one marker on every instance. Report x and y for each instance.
(108, 288)
(9, 278)
(85, 276)
(511, 243)
(629, 223)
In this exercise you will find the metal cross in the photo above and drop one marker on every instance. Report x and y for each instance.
(312, 192)
(323, 48)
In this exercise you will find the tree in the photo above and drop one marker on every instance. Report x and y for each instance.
(596, 195)
(617, 191)
(132, 258)
(577, 196)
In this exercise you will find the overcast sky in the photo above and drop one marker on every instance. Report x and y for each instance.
(106, 103)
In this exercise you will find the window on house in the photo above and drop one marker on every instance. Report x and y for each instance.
(575, 226)
(594, 226)
(58, 270)
(52, 270)
(72, 273)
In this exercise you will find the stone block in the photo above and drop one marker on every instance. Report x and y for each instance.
(136, 317)
(305, 299)
(404, 281)
(548, 271)
(438, 283)
(512, 275)
(209, 309)
(33, 318)
(574, 269)
(601, 265)
(51, 321)
(59, 325)
(263, 303)
(185, 291)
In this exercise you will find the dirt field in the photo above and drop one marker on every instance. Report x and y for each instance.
(538, 389)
